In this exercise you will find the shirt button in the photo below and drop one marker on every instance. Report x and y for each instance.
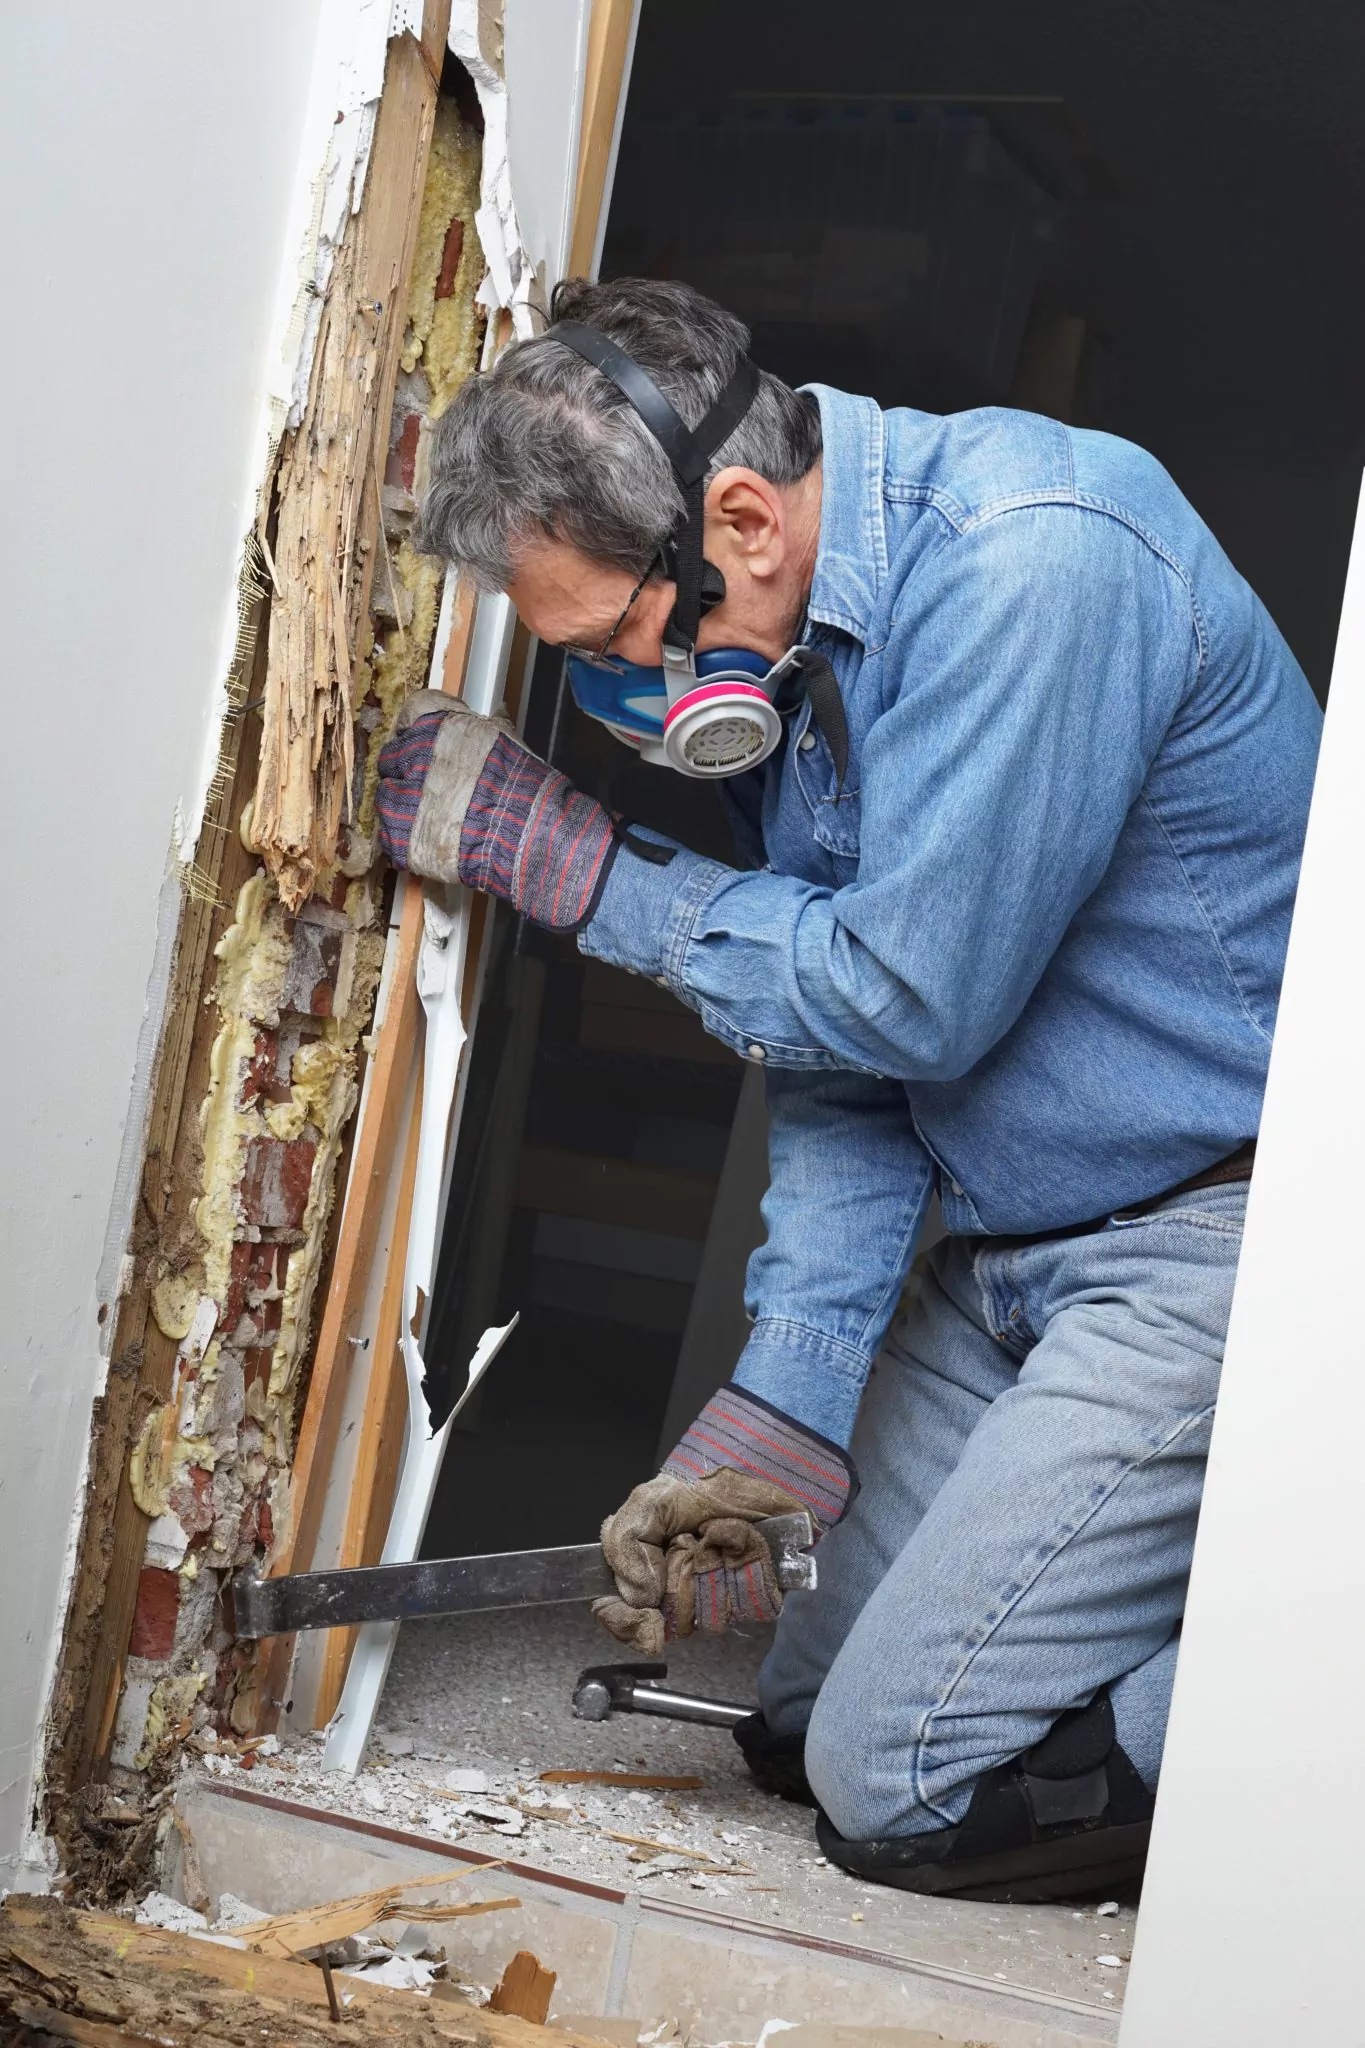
(957, 1187)
(757, 1052)
(662, 980)
(806, 742)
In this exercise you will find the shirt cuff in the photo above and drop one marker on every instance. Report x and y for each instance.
(815, 1379)
(647, 912)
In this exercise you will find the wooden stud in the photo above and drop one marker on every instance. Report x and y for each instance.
(608, 47)
(380, 1440)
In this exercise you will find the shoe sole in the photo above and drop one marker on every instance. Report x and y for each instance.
(1076, 1867)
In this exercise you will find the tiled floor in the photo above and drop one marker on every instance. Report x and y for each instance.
(732, 1918)
(701, 1974)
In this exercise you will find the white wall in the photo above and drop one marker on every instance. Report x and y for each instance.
(1249, 1930)
(151, 156)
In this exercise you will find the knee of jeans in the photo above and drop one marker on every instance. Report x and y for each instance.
(865, 1787)
(878, 1775)
(839, 1769)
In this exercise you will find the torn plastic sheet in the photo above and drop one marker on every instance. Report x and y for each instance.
(440, 979)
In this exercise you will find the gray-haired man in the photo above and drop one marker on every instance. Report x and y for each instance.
(1021, 767)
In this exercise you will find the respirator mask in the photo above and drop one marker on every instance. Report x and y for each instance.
(705, 715)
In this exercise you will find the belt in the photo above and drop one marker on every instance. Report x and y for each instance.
(1236, 1167)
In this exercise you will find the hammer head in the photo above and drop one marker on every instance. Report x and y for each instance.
(604, 1689)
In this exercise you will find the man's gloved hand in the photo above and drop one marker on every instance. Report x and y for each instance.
(683, 1548)
(460, 799)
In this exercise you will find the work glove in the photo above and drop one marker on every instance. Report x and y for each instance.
(683, 1548)
(460, 799)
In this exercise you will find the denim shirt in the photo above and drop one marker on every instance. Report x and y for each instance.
(1029, 955)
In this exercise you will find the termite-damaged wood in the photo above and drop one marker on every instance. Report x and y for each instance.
(329, 493)
(92, 1978)
(114, 1530)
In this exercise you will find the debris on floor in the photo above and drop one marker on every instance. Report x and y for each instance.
(97, 1978)
(68, 1975)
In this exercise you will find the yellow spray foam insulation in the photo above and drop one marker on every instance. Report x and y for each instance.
(175, 1297)
(318, 1079)
(444, 334)
(253, 958)
(160, 1456)
(171, 1703)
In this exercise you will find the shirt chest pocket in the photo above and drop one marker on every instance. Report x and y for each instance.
(836, 816)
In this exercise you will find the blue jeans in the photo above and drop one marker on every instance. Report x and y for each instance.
(1032, 1450)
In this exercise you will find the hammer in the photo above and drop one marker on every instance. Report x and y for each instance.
(606, 1689)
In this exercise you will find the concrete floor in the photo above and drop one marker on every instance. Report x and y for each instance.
(491, 1693)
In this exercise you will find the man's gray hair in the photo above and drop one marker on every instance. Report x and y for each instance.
(544, 445)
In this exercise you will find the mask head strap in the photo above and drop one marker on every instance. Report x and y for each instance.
(689, 451)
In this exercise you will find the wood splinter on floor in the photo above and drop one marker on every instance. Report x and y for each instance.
(637, 1781)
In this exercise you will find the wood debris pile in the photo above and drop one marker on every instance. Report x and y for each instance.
(97, 1979)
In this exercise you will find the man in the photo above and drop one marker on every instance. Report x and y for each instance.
(1022, 766)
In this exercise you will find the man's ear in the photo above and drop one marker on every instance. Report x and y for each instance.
(746, 521)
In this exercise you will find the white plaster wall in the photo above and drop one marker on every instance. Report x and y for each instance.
(1249, 1931)
(151, 152)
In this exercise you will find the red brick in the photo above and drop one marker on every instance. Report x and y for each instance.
(154, 1618)
(407, 450)
(257, 1526)
(256, 1364)
(252, 1273)
(450, 262)
(275, 1183)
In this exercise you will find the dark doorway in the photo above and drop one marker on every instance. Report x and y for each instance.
(1138, 218)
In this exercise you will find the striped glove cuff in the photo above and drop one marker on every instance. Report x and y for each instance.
(736, 1430)
(531, 837)
(403, 768)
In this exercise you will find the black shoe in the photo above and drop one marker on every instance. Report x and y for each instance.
(1069, 1819)
(776, 1762)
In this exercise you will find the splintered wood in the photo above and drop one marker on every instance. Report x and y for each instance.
(92, 1978)
(289, 1934)
(329, 499)
(526, 1988)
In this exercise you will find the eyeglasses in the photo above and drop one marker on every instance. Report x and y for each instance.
(598, 657)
